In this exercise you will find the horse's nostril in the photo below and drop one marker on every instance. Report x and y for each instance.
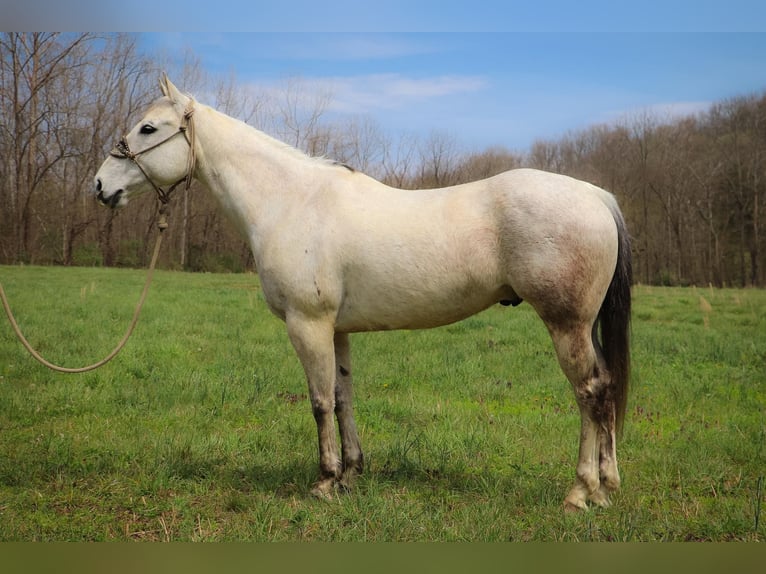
(98, 184)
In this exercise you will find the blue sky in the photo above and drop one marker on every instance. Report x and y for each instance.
(487, 89)
(490, 72)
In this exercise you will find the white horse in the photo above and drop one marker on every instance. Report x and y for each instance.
(338, 252)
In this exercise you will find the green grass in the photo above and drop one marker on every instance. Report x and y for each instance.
(201, 428)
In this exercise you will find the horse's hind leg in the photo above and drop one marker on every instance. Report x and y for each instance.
(353, 460)
(580, 360)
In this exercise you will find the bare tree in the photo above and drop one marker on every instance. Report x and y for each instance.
(739, 126)
(360, 143)
(299, 113)
(32, 66)
(438, 157)
(490, 162)
(398, 159)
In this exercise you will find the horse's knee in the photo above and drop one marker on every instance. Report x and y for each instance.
(321, 406)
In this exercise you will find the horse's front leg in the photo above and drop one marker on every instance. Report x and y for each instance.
(312, 338)
(353, 459)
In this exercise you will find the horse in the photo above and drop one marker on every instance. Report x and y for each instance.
(338, 252)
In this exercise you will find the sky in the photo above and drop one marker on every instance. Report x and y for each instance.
(490, 89)
(488, 72)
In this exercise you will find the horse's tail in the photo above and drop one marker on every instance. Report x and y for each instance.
(614, 319)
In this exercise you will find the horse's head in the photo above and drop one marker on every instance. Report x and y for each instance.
(157, 152)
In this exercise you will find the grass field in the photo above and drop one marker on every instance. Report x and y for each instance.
(201, 428)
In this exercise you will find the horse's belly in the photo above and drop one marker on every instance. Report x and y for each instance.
(405, 308)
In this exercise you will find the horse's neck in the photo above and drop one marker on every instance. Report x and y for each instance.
(254, 177)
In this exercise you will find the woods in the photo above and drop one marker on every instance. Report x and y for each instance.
(692, 188)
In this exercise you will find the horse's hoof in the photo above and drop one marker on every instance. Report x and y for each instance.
(324, 489)
(348, 480)
(570, 508)
(601, 497)
(575, 502)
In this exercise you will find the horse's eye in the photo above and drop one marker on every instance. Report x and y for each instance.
(147, 129)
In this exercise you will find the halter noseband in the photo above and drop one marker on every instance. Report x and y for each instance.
(122, 151)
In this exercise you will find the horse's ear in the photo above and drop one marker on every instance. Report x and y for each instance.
(169, 90)
(164, 84)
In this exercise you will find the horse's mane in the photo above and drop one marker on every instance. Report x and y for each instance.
(300, 154)
(283, 146)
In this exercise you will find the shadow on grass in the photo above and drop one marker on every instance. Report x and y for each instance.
(193, 466)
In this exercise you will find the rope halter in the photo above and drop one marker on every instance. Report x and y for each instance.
(122, 151)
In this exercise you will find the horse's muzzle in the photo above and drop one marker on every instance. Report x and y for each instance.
(111, 201)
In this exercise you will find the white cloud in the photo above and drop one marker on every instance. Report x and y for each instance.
(366, 94)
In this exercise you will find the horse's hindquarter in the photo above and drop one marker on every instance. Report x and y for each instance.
(559, 240)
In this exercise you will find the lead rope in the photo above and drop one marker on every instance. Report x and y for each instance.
(162, 225)
(123, 151)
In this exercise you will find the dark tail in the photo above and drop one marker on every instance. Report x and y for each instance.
(614, 318)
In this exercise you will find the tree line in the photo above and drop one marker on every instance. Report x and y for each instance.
(692, 188)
